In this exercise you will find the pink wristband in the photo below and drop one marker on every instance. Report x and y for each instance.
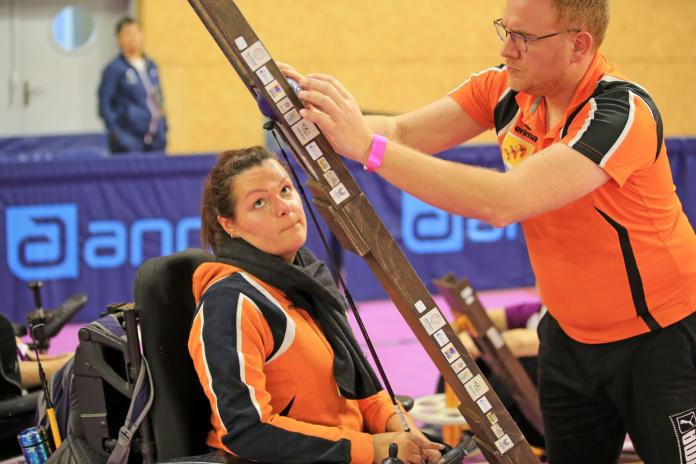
(377, 149)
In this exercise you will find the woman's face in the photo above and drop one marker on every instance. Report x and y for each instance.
(268, 212)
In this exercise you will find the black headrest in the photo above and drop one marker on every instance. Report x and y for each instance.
(180, 412)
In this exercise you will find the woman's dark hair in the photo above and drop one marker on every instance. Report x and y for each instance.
(217, 190)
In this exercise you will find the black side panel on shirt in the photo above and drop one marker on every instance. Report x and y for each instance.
(505, 110)
(634, 280)
(277, 321)
(611, 116)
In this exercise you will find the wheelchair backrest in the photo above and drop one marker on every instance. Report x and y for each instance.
(180, 414)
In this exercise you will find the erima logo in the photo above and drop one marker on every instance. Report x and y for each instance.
(525, 133)
(685, 427)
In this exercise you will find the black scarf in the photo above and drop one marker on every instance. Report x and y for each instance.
(308, 283)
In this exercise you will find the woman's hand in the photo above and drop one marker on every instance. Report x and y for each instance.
(414, 448)
(430, 451)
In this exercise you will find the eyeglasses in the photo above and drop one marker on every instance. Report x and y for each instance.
(521, 41)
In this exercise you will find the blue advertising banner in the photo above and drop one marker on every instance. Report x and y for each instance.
(85, 225)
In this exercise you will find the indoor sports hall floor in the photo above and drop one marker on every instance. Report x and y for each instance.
(406, 363)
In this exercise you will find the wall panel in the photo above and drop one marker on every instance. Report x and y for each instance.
(394, 55)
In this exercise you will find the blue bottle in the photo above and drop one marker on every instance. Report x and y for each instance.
(34, 444)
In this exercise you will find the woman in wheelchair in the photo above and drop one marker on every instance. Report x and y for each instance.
(285, 377)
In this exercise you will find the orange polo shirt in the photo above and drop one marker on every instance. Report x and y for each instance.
(620, 261)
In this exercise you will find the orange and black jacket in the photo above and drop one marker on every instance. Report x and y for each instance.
(267, 370)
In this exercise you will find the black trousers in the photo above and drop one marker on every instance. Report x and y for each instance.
(592, 395)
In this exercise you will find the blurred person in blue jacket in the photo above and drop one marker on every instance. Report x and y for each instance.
(130, 96)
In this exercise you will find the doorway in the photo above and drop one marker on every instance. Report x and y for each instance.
(51, 57)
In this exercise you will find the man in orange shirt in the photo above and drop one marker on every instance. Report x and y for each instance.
(587, 175)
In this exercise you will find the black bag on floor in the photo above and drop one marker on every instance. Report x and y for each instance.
(75, 450)
(98, 410)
